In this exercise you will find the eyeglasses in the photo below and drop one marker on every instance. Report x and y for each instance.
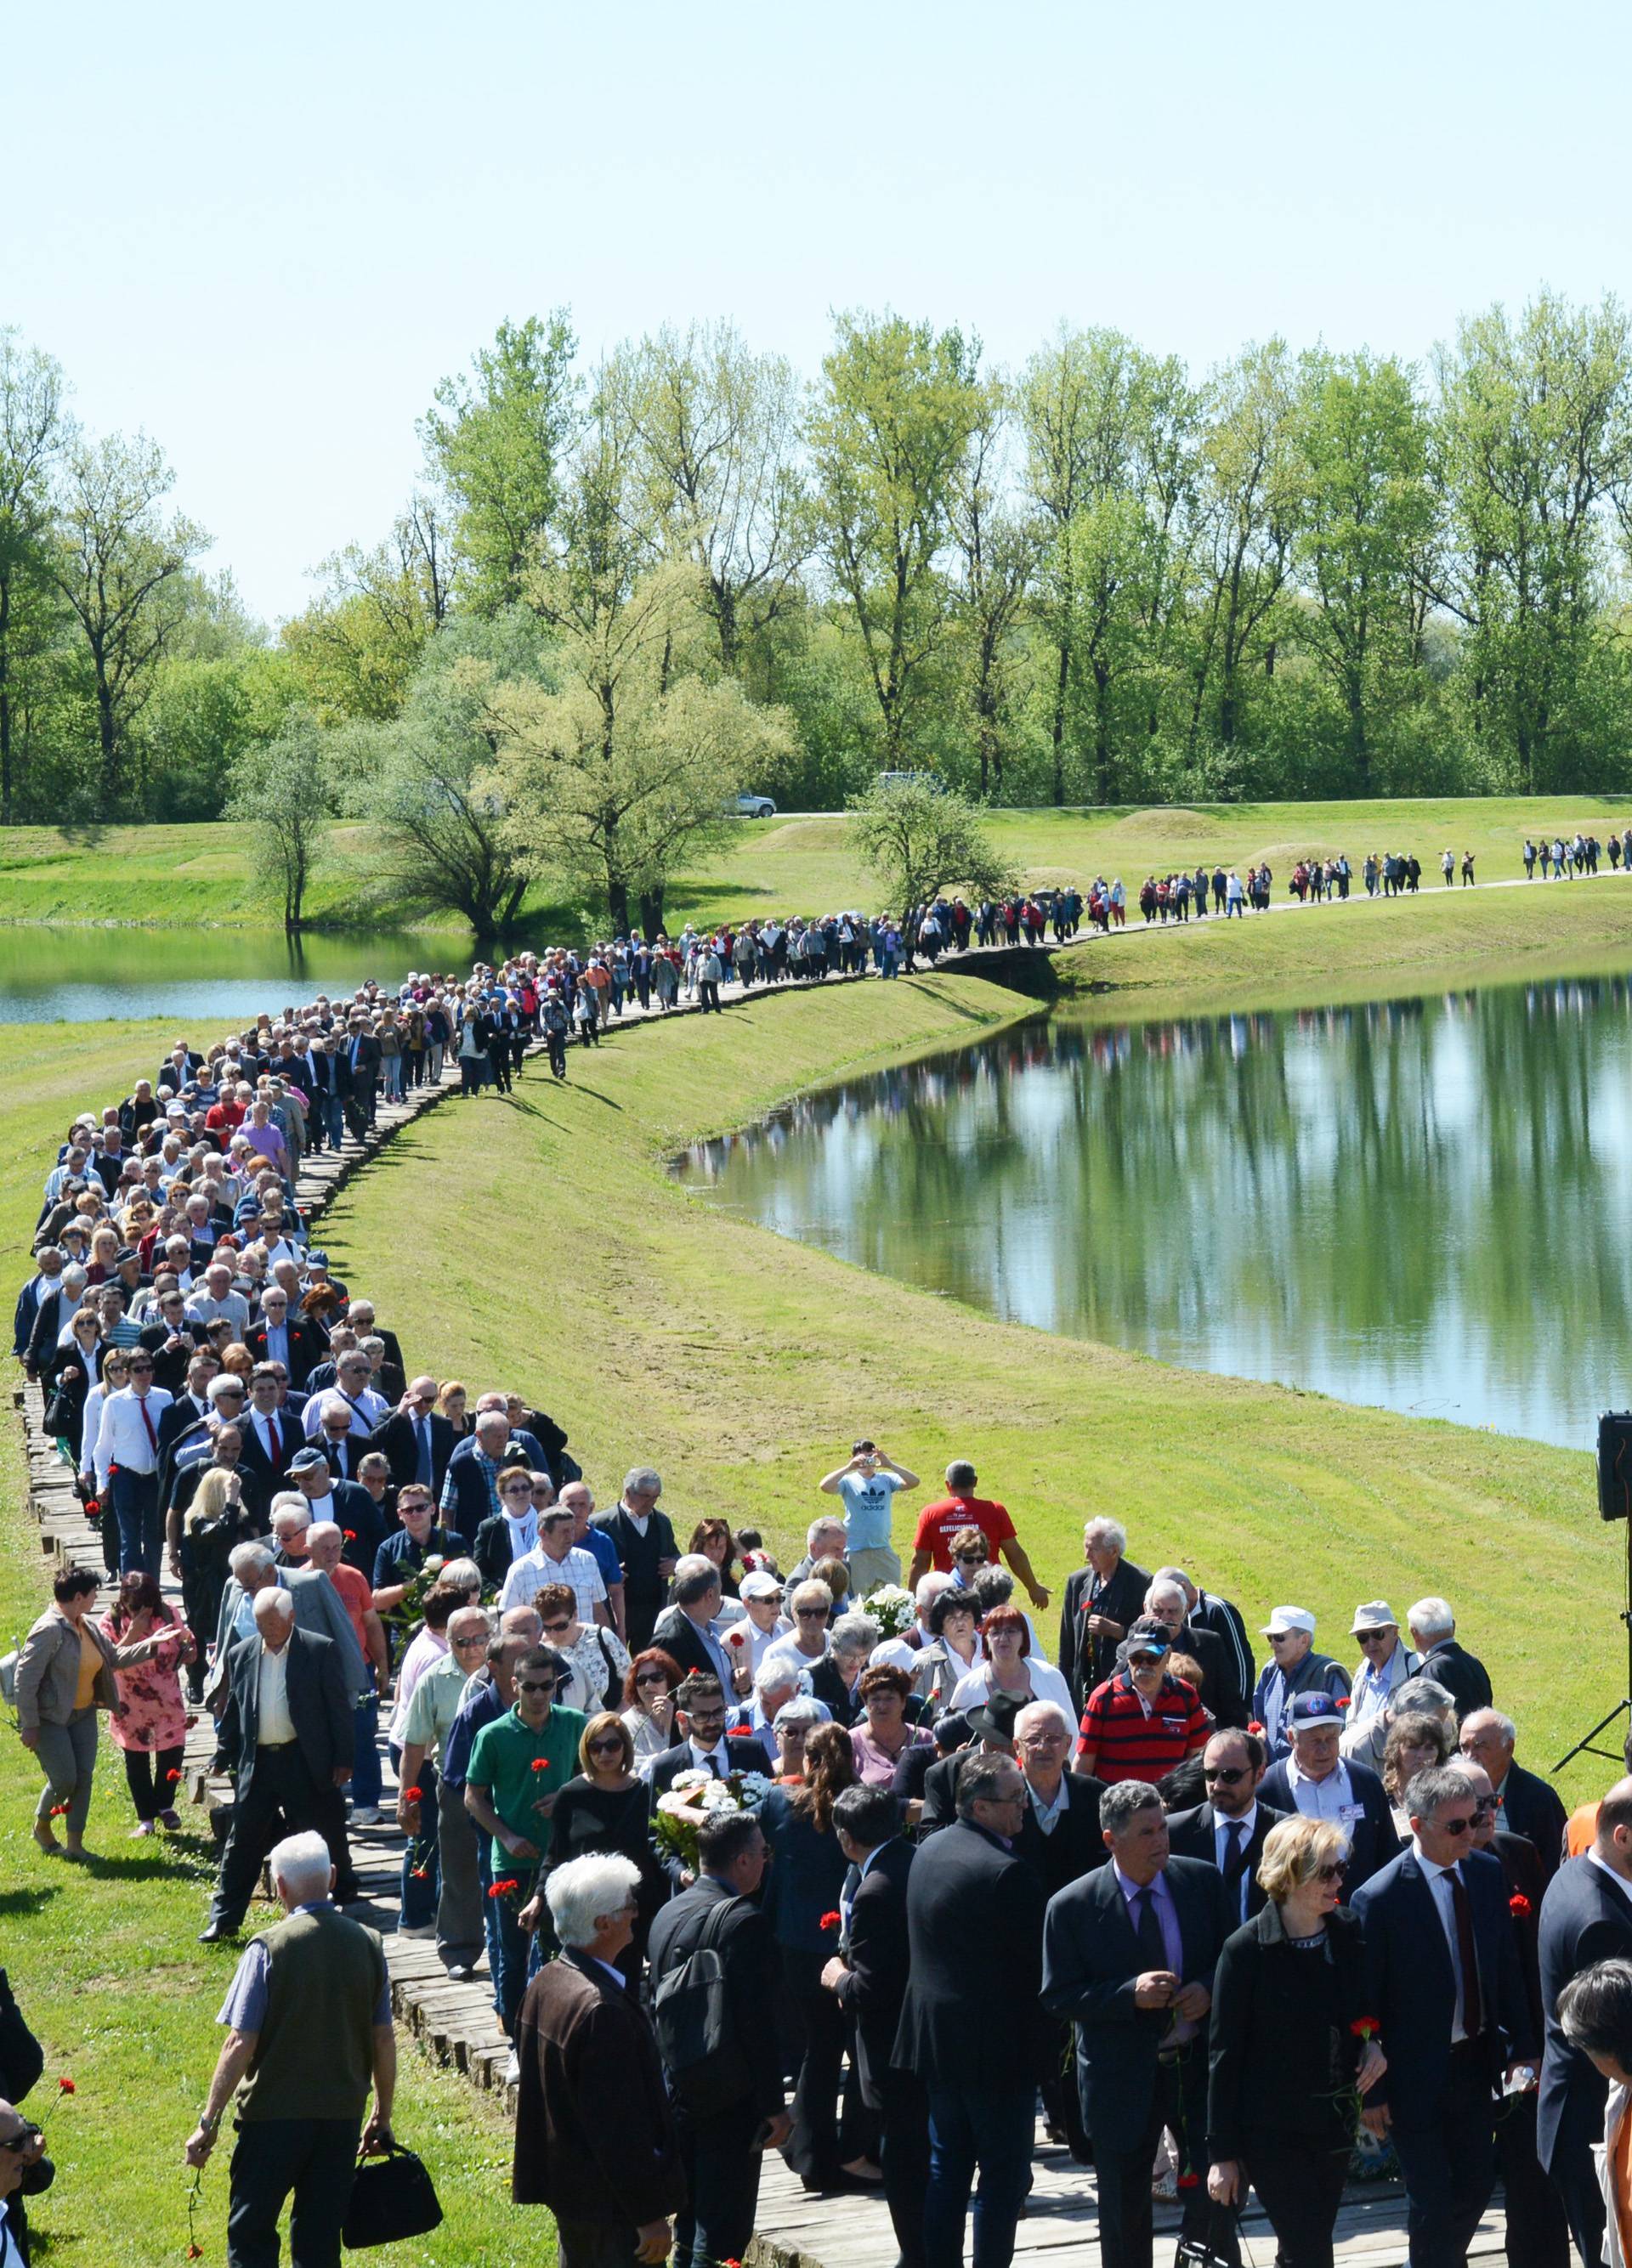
(1230, 1779)
(651, 1677)
(700, 1724)
(557, 1629)
(971, 1558)
(610, 1747)
(1485, 1805)
(1145, 1661)
(810, 1614)
(536, 1685)
(472, 1638)
(17, 2142)
(141, 1369)
(522, 1491)
(1329, 1874)
(1453, 1826)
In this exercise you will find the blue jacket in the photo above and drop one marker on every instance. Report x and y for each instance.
(1373, 1838)
(1410, 1984)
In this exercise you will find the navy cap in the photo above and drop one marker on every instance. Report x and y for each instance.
(1315, 1709)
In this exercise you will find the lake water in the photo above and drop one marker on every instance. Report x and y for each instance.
(1423, 1204)
(51, 972)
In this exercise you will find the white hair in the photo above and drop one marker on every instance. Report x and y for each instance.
(461, 1575)
(588, 1890)
(301, 1866)
(275, 1600)
(823, 1527)
(1111, 1533)
(1160, 1589)
(1506, 1729)
(854, 1633)
(1430, 1617)
(694, 1562)
(249, 1559)
(325, 1531)
(335, 1406)
(1034, 1713)
(298, 1515)
(929, 1589)
(290, 1500)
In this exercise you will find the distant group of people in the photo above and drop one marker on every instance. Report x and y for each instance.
(1563, 858)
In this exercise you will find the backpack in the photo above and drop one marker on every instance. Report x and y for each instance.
(692, 2015)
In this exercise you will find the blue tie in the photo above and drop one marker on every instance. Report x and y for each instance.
(421, 1470)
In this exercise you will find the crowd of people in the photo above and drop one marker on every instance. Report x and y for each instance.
(834, 1861)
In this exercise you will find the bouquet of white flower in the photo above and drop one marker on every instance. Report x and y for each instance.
(691, 1796)
(893, 1609)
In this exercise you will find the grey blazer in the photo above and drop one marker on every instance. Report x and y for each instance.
(318, 1609)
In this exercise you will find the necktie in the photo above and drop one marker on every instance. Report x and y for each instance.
(336, 1459)
(713, 1762)
(421, 1469)
(1473, 2011)
(1235, 1857)
(1147, 1929)
(278, 1441)
(153, 1438)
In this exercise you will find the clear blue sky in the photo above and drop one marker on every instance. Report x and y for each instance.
(264, 234)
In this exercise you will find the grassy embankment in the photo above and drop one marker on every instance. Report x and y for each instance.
(183, 875)
(546, 1230)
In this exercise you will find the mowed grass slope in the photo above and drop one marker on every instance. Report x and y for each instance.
(543, 1235)
(797, 864)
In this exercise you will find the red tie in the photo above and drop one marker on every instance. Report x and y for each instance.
(153, 1438)
(278, 1439)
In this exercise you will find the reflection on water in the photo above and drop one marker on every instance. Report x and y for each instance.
(51, 972)
(1423, 1203)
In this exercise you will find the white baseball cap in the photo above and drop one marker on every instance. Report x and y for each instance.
(1283, 1619)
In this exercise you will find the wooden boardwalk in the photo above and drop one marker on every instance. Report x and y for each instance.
(456, 2022)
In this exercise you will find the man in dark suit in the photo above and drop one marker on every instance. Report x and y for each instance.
(416, 1441)
(288, 1717)
(1129, 1953)
(1525, 1805)
(1445, 1982)
(1538, 2232)
(869, 1977)
(704, 1746)
(1167, 1602)
(646, 1551)
(1230, 1829)
(1586, 1916)
(970, 2023)
(1102, 1600)
(1433, 1633)
(683, 1630)
(1060, 1833)
(347, 1503)
(271, 1437)
(362, 1054)
(276, 1337)
(595, 2136)
(1317, 1780)
(725, 2131)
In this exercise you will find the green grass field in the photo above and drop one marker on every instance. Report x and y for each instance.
(542, 1239)
(186, 875)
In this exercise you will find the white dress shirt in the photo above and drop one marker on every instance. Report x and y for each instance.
(367, 1409)
(122, 1438)
(1332, 1797)
(275, 1725)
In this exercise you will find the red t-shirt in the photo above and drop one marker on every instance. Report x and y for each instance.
(938, 1523)
(356, 1597)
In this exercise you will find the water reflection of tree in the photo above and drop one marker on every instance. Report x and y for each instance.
(1363, 1192)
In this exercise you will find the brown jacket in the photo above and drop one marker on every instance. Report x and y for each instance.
(48, 1670)
(594, 2140)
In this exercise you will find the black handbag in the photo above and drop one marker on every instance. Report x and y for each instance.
(392, 2197)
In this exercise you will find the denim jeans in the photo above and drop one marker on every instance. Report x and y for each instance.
(970, 2127)
(136, 1507)
(365, 1779)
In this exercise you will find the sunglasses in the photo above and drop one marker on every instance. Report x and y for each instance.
(811, 1614)
(1231, 1778)
(515, 1491)
(1146, 1662)
(1453, 1826)
(1328, 1874)
(557, 1629)
(971, 1558)
(472, 1638)
(1486, 1805)
(651, 1677)
(606, 1748)
(17, 2142)
(535, 1685)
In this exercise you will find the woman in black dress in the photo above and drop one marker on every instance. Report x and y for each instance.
(1291, 2051)
(606, 1809)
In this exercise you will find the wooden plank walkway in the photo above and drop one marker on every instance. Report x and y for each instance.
(456, 2022)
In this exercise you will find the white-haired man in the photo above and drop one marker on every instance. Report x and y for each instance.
(646, 1551)
(594, 2138)
(1103, 1598)
(309, 2038)
(1434, 1634)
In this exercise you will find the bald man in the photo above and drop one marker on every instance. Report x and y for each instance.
(288, 1716)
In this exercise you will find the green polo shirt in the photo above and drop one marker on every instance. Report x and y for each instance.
(502, 1761)
(434, 1704)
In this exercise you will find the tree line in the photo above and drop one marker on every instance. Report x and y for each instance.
(619, 592)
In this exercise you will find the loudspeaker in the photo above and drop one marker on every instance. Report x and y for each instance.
(1614, 1464)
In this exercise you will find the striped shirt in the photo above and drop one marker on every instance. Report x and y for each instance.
(1131, 1738)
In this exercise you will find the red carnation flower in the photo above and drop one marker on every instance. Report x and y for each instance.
(1189, 2181)
(350, 1535)
(541, 1763)
(195, 2252)
(1341, 1699)
(740, 1733)
(832, 1921)
(1519, 1904)
(65, 2087)
(412, 1794)
(173, 1777)
(1256, 1728)
(1365, 2028)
